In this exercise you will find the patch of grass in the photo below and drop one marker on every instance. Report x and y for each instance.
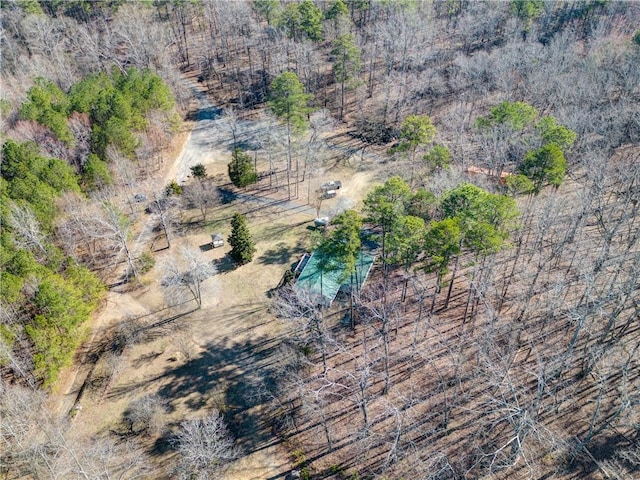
(307, 350)
(299, 457)
(338, 470)
(145, 262)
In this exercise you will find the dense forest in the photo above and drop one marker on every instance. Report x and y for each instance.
(498, 335)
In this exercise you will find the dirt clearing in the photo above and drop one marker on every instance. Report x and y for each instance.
(224, 355)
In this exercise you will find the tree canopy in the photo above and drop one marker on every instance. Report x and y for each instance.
(386, 203)
(299, 19)
(516, 115)
(311, 20)
(405, 243)
(32, 178)
(267, 8)
(48, 104)
(346, 62)
(288, 101)
(485, 219)
(545, 141)
(344, 242)
(199, 171)
(437, 158)
(421, 204)
(441, 244)
(52, 294)
(117, 105)
(242, 244)
(417, 130)
(241, 169)
(545, 166)
(527, 10)
(552, 132)
(337, 9)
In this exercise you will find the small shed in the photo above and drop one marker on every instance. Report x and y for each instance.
(217, 240)
(473, 170)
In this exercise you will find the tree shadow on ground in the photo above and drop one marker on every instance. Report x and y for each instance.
(604, 449)
(247, 145)
(210, 113)
(226, 195)
(224, 264)
(279, 255)
(273, 231)
(164, 443)
(145, 359)
(205, 247)
(244, 374)
(114, 339)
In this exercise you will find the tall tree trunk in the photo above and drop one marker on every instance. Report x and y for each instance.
(453, 277)
(132, 268)
(341, 100)
(289, 161)
(435, 292)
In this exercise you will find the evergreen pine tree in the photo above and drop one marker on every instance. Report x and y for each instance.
(241, 169)
(289, 103)
(240, 240)
(199, 171)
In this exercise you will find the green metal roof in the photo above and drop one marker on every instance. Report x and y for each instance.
(327, 283)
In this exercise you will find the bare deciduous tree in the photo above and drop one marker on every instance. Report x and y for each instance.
(184, 274)
(202, 195)
(205, 447)
(26, 229)
(304, 311)
(39, 444)
(142, 415)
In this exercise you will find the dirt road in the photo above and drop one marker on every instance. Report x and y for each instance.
(231, 311)
(199, 146)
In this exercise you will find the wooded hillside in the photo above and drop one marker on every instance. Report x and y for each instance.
(498, 335)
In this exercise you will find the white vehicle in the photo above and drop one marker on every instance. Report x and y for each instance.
(332, 185)
(321, 221)
(329, 194)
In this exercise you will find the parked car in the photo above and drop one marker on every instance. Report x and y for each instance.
(332, 185)
(329, 194)
(321, 222)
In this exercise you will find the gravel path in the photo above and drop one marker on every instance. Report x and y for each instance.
(201, 140)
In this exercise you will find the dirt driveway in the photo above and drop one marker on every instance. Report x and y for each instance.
(203, 145)
(218, 355)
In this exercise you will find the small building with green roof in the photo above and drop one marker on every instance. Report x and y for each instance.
(324, 277)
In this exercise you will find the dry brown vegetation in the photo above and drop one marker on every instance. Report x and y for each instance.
(531, 372)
